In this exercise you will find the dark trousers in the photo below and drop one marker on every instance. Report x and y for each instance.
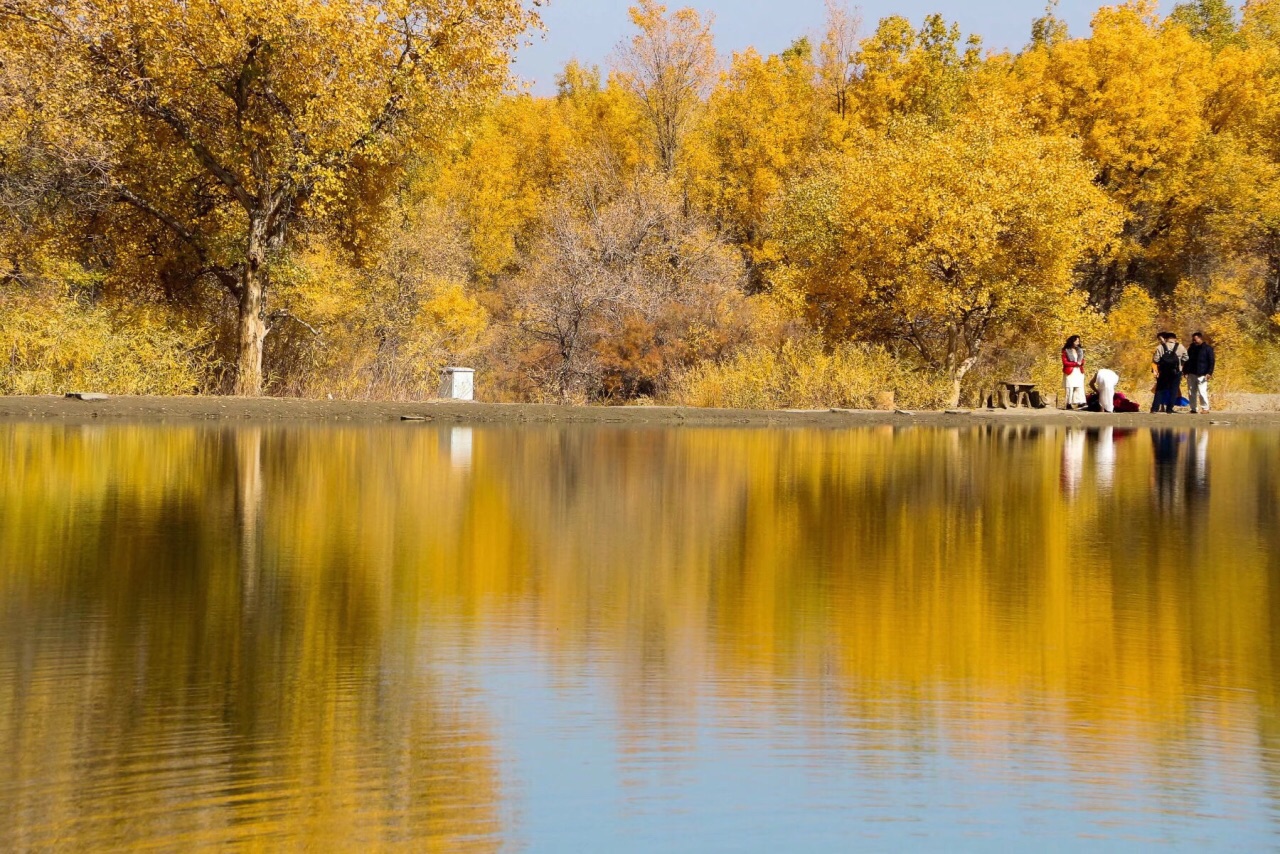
(1165, 399)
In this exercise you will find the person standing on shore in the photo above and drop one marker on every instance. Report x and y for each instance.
(1073, 372)
(1201, 360)
(1166, 365)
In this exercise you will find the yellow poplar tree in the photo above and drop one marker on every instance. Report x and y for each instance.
(836, 54)
(220, 120)
(763, 123)
(511, 160)
(668, 65)
(940, 240)
(1133, 93)
(904, 71)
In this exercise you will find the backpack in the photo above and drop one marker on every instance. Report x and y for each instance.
(1169, 362)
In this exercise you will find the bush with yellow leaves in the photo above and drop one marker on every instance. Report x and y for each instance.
(805, 374)
(53, 343)
(381, 331)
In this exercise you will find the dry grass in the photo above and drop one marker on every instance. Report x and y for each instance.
(803, 374)
(55, 344)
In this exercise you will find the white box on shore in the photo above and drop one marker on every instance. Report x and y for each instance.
(458, 384)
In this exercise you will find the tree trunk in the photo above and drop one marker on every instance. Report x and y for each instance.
(252, 325)
(958, 373)
(958, 367)
(565, 379)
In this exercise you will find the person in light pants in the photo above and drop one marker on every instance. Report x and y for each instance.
(1104, 384)
(1201, 362)
(1073, 372)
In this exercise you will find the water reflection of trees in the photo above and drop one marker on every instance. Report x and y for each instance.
(185, 671)
(884, 574)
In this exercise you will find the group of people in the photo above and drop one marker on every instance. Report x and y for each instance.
(1170, 363)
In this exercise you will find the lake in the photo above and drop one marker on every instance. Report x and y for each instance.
(552, 639)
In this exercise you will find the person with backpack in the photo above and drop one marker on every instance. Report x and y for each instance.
(1201, 360)
(1166, 365)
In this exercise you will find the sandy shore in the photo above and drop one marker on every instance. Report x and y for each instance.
(225, 409)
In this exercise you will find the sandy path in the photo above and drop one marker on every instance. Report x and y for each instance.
(223, 409)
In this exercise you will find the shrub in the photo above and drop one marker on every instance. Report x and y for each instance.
(804, 374)
(378, 332)
(52, 344)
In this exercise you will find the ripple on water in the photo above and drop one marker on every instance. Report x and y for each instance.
(568, 639)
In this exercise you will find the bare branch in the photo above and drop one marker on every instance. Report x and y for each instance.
(124, 194)
(281, 314)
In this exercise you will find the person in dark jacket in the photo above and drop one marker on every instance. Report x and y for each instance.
(1167, 364)
(1201, 360)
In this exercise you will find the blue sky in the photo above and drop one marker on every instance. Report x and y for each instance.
(588, 30)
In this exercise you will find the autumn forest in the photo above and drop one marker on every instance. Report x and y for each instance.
(312, 198)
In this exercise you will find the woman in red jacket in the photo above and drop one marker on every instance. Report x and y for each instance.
(1073, 372)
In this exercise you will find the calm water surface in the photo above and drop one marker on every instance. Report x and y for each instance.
(603, 640)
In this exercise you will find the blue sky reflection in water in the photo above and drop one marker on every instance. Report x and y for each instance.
(586, 639)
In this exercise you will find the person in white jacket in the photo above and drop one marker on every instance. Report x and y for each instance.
(1104, 384)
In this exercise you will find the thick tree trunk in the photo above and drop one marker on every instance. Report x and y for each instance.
(957, 367)
(252, 334)
(252, 326)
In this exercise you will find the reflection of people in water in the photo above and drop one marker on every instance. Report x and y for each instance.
(1165, 445)
(1196, 524)
(1104, 443)
(1182, 481)
(1104, 458)
(1073, 460)
(1199, 479)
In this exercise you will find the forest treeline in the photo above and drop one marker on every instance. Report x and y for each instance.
(343, 197)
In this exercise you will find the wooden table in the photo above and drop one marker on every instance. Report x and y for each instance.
(1016, 394)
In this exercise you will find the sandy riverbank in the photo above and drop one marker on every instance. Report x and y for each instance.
(229, 409)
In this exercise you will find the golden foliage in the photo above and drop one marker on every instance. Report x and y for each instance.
(53, 344)
(902, 189)
(219, 123)
(940, 240)
(383, 330)
(805, 374)
(910, 72)
(1130, 335)
(762, 127)
(667, 66)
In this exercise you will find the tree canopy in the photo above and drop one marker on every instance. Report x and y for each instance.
(340, 198)
(220, 121)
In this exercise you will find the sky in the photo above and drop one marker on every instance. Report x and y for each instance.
(589, 30)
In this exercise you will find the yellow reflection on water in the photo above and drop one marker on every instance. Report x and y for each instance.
(276, 636)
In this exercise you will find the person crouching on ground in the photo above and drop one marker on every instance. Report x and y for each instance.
(1073, 372)
(1104, 384)
(1201, 360)
(1166, 366)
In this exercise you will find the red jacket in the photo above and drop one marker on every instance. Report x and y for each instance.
(1068, 364)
